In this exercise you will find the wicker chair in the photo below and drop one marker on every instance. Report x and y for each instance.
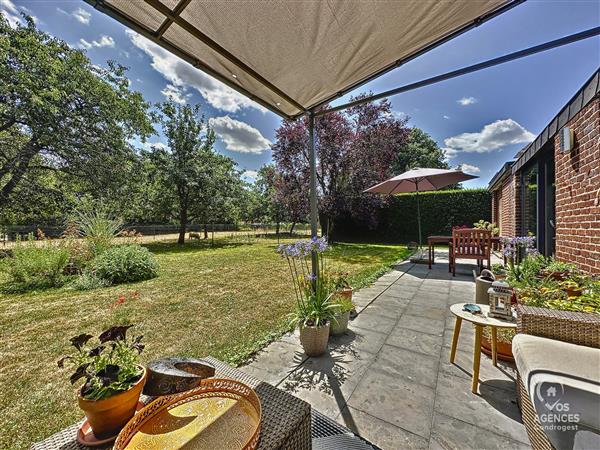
(574, 327)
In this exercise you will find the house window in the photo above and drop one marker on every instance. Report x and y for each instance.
(538, 200)
(530, 195)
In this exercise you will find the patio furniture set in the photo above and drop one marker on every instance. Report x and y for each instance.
(287, 422)
(557, 356)
(465, 243)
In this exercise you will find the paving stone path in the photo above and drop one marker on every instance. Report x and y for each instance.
(389, 377)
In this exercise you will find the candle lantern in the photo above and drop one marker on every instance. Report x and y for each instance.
(500, 294)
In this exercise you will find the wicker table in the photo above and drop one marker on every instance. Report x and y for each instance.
(480, 321)
(286, 420)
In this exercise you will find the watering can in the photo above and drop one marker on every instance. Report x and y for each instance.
(482, 283)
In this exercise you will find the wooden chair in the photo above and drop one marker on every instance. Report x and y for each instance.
(470, 243)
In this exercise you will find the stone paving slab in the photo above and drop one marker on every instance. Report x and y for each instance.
(389, 377)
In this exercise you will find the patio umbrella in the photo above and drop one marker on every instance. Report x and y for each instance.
(419, 180)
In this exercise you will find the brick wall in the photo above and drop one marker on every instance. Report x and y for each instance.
(507, 214)
(578, 192)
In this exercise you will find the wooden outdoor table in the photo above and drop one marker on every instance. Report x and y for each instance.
(480, 321)
(432, 240)
(285, 424)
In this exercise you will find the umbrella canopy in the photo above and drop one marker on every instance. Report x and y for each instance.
(419, 180)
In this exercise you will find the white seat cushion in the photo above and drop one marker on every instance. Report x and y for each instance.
(563, 382)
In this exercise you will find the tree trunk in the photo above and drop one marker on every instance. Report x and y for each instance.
(183, 218)
(327, 225)
(292, 228)
(205, 231)
(277, 228)
(18, 170)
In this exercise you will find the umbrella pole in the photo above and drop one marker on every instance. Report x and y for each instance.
(419, 218)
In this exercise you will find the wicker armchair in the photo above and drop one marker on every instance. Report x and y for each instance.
(574, 327)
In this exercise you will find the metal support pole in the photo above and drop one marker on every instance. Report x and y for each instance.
(418, 215)
(312, 159)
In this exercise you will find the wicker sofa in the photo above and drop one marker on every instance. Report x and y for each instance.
(572, 327)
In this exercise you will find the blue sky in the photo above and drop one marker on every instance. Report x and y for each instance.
(481, 119)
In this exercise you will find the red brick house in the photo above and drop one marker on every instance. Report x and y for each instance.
(552, 189)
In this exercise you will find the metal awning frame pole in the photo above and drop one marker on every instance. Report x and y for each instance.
(312, 160)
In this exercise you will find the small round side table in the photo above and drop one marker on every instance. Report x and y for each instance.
(480, 321)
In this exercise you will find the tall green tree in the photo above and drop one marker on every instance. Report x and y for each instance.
(420, 150)
(188, 180)
(73, 117)
(270, 208)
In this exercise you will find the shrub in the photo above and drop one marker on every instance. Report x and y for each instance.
(125, 264)
(440, 212)
(88, 281)
(35, 266)
(98, 227)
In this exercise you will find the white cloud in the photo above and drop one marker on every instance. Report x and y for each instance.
(10, 12)
(468, 168)
(84, 44)
(174, 93)
(181, 74)
(493, 136)
(400, 115)
(466, 101)
(80, 14)
(239, 136)
(449, 153)
(250, 175)
(104, 41)
(446, 117)
(149, 145)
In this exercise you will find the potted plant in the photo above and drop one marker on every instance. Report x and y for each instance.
(558, 270)
(485, 225)
(504, 337)
(341, 284)
(499, 271)
(343, 306)
(113, 378)
(314, 306)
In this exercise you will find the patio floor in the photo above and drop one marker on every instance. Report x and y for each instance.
(389, 378)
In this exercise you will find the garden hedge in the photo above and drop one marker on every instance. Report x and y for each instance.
(440, 211)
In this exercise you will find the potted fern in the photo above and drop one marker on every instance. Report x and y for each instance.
(314, 306)
(113, 378)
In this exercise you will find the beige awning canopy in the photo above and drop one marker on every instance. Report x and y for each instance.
(291, 56)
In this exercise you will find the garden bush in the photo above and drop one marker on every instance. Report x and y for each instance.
(440, 211)
(35, 266)
(125, 264)
(98, 227)
(88, 281)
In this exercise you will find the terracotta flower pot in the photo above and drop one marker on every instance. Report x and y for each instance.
(574, 292)
(504, 349)
(109, 415)
(346, 292)
(314, 339)
(340, 324)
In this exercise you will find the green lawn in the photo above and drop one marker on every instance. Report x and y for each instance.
(227, 301)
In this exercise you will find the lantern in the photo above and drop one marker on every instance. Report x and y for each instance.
(500, 295)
